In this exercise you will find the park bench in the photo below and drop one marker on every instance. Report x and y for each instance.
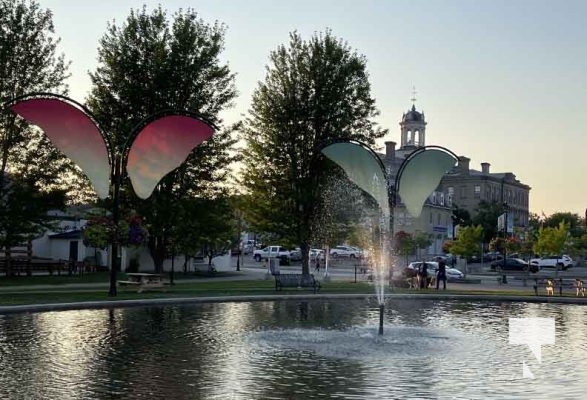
(551, 284)
(28, 266)
(297, 281)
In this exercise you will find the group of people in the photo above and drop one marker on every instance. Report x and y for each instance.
(424, 278)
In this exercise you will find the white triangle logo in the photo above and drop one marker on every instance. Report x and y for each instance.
(526, 371)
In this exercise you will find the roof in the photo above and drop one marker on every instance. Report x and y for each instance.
(413, 115)
(75, 234)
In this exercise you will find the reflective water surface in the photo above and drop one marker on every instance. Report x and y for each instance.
(291, 350)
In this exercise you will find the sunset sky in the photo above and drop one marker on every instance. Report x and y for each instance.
(499, 81)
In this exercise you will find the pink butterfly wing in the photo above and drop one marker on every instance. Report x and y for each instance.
(73, 133)
(162, 146)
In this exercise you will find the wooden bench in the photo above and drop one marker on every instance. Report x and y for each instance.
(577, 285)
(297, 281)
(144, 281)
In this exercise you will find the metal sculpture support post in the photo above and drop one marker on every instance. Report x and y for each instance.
(74, 130)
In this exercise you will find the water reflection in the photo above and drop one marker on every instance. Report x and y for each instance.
(290, 350)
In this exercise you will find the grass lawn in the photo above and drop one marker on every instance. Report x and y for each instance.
(206, 288)
(94, 277)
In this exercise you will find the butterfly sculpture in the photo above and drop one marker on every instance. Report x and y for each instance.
(419, 174)
(160, 146)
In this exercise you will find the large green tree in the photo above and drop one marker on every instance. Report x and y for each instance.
(32, 171)
(573, 220)
(467, 242)
(486, 215)
(314, 91)
(153, 62)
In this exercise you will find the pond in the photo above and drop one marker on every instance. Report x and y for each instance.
(291, 350)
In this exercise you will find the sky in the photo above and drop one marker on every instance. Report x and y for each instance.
(499, 81)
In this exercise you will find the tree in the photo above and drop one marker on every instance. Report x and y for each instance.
(551, 241)
(404, 244)
(573, 220)
(32, 171)
(422, 240)
(206, 226)
(467, 242)
(460, 216)
(486, 216)
(24, 213)
(151, 63)
(314, 92)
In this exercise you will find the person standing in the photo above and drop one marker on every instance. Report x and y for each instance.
(441, 275)
(317, 269)
(424, 276)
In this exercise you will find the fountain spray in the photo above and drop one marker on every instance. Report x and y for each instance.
(381, 309)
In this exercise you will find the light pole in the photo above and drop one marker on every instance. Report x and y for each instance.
(74, 130)
(506, 209)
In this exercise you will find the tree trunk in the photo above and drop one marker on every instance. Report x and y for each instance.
(305, 249)
(186, 259)
(157, 249)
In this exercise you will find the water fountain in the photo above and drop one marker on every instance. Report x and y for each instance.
(419, 175)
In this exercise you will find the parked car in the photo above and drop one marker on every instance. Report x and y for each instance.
(295, 254)
(345, 251)
(250, 245)
(559, 262)
(452, 274)
(271, 252)
(317, 253)
(514, 264)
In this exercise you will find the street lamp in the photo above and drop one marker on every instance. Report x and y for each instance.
(155, 146)
(506, 209)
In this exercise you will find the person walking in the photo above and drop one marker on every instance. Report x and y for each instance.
(441, 275)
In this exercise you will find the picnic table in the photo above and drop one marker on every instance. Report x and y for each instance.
(144, 281)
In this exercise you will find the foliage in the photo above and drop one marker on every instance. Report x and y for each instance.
(24, 211)
(446, 246)
(509, 245)
(460, 216)
(207, 226)
(100, 231)
(31, 170)
(551, 241)
(573, 221)
(404, 244)
(486, 216)
(314, 91)
(467, 242)
(422, 240)
(152, 62)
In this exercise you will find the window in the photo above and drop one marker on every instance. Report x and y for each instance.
(431, 217)
(477, 191)
(438, 219)
(463, 192)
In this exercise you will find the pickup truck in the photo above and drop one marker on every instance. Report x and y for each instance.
(271, 252)
(559, 262)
